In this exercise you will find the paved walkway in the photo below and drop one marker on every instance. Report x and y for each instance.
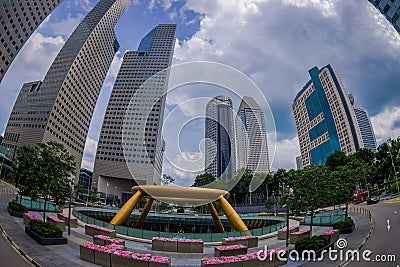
(68, 255)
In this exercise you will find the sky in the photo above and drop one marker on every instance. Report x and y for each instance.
(273, 42)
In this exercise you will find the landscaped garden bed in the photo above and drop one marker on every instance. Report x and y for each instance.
(299, 235)
(345, 227)
(232, 250)
(28, 217)
(92, 230)
(104, 240)
(282, 232)
(333, 234)
(72, 220)
(315, 243)
(177, 245)
(16, 210)
(45, 233)
(248, 241)
(56, 222)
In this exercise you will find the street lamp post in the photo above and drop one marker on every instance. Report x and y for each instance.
(234, 196)
(115, 188)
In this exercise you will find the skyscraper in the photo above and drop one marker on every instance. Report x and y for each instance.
(324, 117)
(252, 133)
(390, 9)
(19, 19)
(220, 148)
(154, 54)
(60, 108)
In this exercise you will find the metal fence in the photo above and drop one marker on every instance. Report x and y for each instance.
(206, 237)
(326, 218)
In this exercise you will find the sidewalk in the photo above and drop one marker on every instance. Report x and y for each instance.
(68, 255)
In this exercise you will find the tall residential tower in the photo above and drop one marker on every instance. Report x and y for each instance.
(144, 159)
(60, 108)
(220, 148)
(325, 118)
(19, 19)
(252, 132)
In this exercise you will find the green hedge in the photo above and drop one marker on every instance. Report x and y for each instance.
(313, 243)
(348, 223)
(17, 207)
(45, 229)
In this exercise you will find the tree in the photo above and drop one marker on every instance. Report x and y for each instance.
(311, 188)
(47, 173)
(203, 179)
(166, 179)
(93, 195)
(335, 160)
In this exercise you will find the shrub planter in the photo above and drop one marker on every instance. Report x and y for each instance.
(73, 221)
(318, 252)
(165, 244)
(282, 232)
(102, 258)
(120, 261)
(45, 240)
(103, 240)
(248, 241)
(190, 246)
(233, 250)
(15, 213)
(28, 217)
(86, 254)
(335, 237)
(139, 260)
(60, 224)
(347, 230)
(159, 261)
(294, 237)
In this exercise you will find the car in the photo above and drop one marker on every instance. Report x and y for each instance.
(372, 200)
(343, 206)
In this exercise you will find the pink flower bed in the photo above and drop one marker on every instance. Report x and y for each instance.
(246, 257)
(141, 257)
(238, 238)
(54, 219)
(166, 239)
(290, 228)
(100, 228)
(123, 253)
(32, 216)
(107, 238)
(116, 247)
(301, 232)
(159, 259)
(231, 247)
(330, 232)
(90, 245)
(190, 240)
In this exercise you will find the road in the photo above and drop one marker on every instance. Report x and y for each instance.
(383, 243)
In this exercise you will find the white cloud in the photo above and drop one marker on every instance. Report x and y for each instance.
(67, 26)
(386, 124)
(89, 154)
(286, 152)
(115, 66)
(84, 4)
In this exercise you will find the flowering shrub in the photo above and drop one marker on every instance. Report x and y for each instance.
(123, 253)
(290, 228)
(232, 247)
(313, 243)
(100, 228)
(190, 240)
(246, 257)
(66, 216)
(32, 216)
(159, 259)
(109, 239)
(141, 257)
(45, 229)
(90, 245)
(330, 232)
(238, 238)
(300, 232)
(116, 247)
(165, 239)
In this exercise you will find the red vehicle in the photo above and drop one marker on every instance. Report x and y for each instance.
(360, 196)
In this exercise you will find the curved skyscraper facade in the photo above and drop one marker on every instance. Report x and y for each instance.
(19, 19)
(220, 148)
(390, 9)
(143, 157)
(60, 107)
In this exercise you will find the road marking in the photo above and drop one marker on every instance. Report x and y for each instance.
(392, 201)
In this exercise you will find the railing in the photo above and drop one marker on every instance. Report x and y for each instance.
(360, 210)
(206, 237)
(35, 205)
(326, 218)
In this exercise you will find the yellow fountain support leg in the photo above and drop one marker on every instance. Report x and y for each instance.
(122, 216)
(232, 216)
(216, 218)
(144, 213)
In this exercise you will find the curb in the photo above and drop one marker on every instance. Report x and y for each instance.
(18, 249)
(371, 231)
